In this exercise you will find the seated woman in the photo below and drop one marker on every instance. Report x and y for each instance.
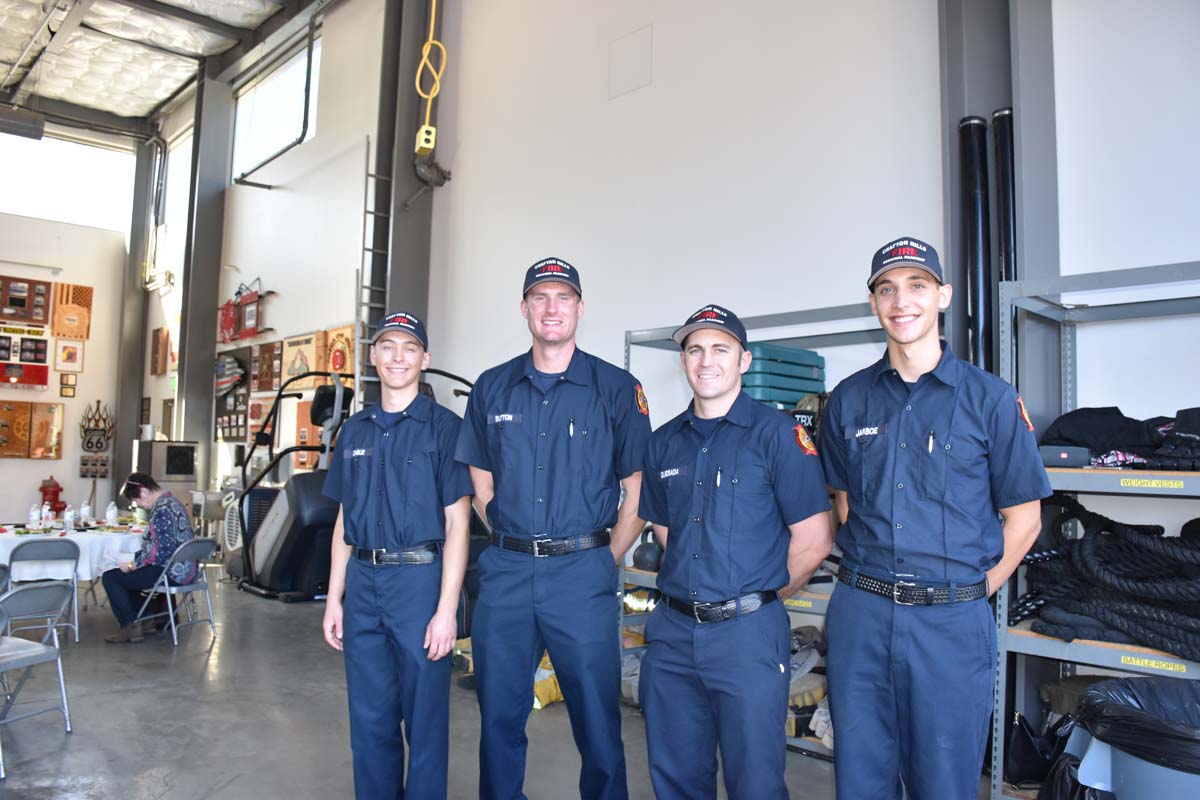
(169, 528)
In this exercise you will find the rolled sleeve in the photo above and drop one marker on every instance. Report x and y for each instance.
(652, 502)
(833, 448)
(471, 447)
(1015, 467)
(798, 479)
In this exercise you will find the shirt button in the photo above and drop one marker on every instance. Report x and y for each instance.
(899, 560)
(908, 408)
(903, 445)
(543, 433)
(695, 519)
(380, 492)
(385, 434)
(540, 466)
(545, 402)
(734, 480)
(899, 525)
(899, 485)
(693, 594)
(695, 555)
(539, 499)
(703, 449)
(699, 483)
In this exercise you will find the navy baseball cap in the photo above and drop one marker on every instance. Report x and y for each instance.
(905, 252)
(403, 322)
(552, 269)
(711, 316)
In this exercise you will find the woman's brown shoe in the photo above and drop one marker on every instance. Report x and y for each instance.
(130, 633)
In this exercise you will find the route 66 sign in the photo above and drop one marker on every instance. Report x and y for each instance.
(96, 429)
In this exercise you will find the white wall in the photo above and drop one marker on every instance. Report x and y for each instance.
(769, 152)
(1128, 107)
(88, 256)
(303, 238)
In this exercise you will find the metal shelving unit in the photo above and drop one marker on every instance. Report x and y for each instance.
(803, 602)
(1042, 299)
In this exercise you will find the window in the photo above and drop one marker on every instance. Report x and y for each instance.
(172, 228)
(67, 182)
(267, 115)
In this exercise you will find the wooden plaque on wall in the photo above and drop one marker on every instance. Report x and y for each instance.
(302, 354)
(14, 429)
(46, 430)
(160, 350)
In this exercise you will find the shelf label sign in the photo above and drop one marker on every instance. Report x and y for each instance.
(1154, 663)
(1150, 483)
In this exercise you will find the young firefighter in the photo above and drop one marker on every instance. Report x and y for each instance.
(396, 566)
(735, 492)
(552, 437)
(926, 455)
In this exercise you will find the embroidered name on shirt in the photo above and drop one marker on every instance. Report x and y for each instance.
(360, 452)
(869, 431)
(670, 473)
(500, 419)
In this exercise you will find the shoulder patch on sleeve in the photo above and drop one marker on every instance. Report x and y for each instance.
(1024, 414)
(642, 405)
(804, 440)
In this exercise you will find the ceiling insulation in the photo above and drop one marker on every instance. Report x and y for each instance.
(242, 13)
(131, 23)
(18, 21)
(98, 71)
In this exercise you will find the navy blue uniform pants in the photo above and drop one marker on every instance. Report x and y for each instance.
(566, 605)
(910, 695)
(395, 692)
(717, 684)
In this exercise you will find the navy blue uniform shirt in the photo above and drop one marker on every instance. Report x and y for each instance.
(395, 480)
(928, 470)
(556, 457)
(729, 536)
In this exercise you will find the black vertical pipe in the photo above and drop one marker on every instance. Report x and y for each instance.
(1006, 190)
(972, 137)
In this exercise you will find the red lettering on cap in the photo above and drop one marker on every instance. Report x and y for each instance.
(552, 268)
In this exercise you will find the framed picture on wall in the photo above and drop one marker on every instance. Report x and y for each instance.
(145, 415)
(66, 391)
(67, 379)
(68, 355)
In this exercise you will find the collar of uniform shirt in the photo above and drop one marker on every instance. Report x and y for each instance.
(577, 371)
(739, 413)
(946, 370)
(418, 409)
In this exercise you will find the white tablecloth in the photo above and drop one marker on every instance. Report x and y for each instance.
(97, 554)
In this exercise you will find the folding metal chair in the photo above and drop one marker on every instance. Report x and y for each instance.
(3, 578)
(199, 550)
(51, 600)
(63, 550)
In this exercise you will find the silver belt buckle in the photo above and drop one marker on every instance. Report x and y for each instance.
(898, 587)
(375, 557)
(696, 612)
(536, 551)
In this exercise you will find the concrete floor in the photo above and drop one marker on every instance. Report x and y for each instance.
(260, 713)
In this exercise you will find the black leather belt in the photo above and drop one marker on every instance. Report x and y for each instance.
(425, 554)
(540, 548)
(723, 609)
(908, 593)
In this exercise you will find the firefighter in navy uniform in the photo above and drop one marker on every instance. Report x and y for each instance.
(397, 561)
(737, 498)
(552, 437)
(938, 484)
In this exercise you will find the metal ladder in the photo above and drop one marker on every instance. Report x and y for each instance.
(369, 299)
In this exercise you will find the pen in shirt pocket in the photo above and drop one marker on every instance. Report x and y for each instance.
(571, 429)
(718, 477)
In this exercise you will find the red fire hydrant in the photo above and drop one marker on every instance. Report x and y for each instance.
(50, 490)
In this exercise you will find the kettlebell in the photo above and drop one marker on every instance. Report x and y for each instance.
(649, 553)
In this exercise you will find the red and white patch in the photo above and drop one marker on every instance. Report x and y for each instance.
(804, 440)
(1024, 413)
(642, 405)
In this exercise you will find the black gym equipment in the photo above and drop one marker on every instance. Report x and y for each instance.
(972, 137)
(285, 554)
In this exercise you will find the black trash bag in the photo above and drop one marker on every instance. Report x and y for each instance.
(1154, 719)
(1063, 783)
(1029, 755)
